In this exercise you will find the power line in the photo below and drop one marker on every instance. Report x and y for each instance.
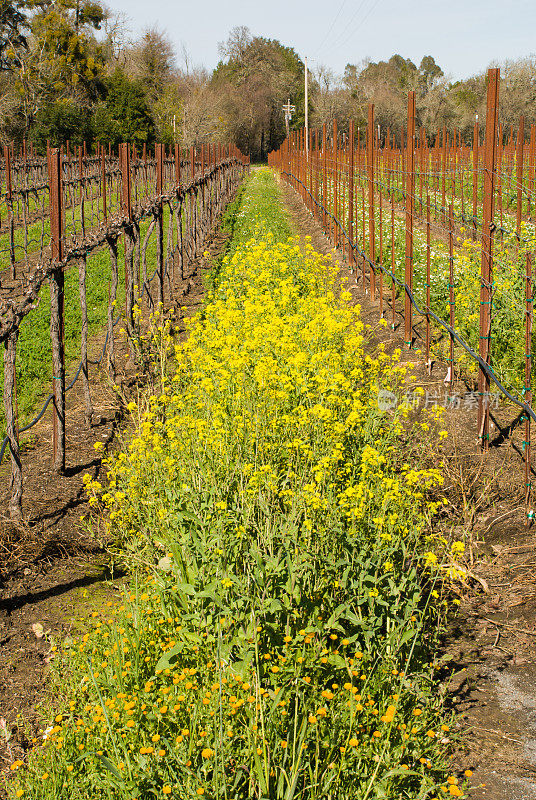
(326, 35)
(338, 42)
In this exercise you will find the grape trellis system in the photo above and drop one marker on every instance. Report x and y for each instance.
(442, 236)
(56, 212)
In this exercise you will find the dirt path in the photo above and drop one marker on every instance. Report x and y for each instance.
(489, 656)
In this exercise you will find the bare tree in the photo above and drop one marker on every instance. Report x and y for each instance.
(152, 60)
(237, 44)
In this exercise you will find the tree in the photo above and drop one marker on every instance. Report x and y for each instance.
(124, 116)
(429, 73)
(235, 48)
(151, 60)
(13, 26)
(332, 97)
(254, 81)
(61, 120)
(63, 60)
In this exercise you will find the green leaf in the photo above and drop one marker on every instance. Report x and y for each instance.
(165, 661)
(186, 588)
(109, 766)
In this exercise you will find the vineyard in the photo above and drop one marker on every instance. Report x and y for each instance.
(443, 238)
(289, 555)
(109, 217)
(272, 643)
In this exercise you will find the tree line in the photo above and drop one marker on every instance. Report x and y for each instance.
(69, 71)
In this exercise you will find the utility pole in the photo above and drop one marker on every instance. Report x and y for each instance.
(288, 109)
(306, 112)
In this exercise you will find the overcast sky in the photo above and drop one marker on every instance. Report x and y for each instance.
(464, 36)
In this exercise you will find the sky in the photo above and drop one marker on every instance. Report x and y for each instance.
(464, 36)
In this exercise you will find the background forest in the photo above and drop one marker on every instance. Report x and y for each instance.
(69, 71)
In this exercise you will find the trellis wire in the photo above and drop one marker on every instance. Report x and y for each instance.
(90, 203)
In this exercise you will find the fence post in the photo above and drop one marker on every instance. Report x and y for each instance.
(178, 212)
(160, 221)
(335, 184)
(450, 374)
(124, 166)
(126, 208)
(528, 377)
(410, 187)
(11, 219)
(324, 177)
(428, 283)
(371, 223)
(82, 191)
(532, 160)
(486, 270)
(519, 172)
(444, 174)
(193, 204)
(393, 284)
(177, 166)
(57, 315)
(351, 196)
(476, 141)
(103, 183)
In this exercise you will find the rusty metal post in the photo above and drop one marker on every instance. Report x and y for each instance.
(371, 221)
(335, 183)
(393, 264)
(351, 195)
(519, 172)
(486, 272)
(450, 374)
(410, 191)
(160, 221)
(500, 168)
(532, 164)
(444, 174)
(528, 380)
(324, 177)
(126, 189)
(126, 209)
(428, 260)
(57, 312)
(11, 216)
(177, 165)
(380, 256)
(103, 183)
